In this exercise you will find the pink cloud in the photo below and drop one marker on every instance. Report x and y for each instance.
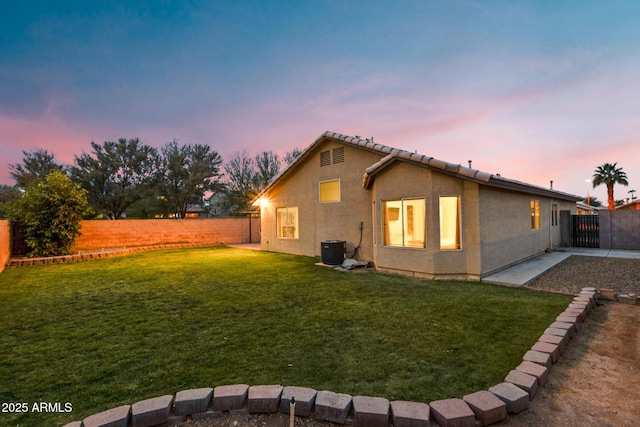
(47, 133)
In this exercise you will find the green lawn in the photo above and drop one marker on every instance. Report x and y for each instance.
(110, 332)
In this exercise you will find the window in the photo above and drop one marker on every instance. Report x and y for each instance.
(325, 158)
(449, 223)
(287, 223)
(404, 223)
(330, 191)
(535, 214)
(554, 214)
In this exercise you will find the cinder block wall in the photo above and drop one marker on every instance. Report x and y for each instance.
(5, 242)
(98, 234)
(620, 229)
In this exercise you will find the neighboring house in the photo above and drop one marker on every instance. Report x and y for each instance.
(584, 209)
(196, 211)
(405, 212)
(633, 206)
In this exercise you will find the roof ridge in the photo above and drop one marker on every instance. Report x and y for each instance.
(391, 154)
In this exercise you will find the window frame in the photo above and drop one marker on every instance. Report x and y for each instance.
(296, 234)
(458, 197)
(339, 191)
(403, 223)
(535, 214)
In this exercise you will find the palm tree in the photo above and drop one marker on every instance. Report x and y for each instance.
(609, 175)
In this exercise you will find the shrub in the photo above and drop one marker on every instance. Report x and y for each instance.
(50, 212)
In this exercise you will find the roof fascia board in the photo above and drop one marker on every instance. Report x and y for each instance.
(492, 181)
(363, 144)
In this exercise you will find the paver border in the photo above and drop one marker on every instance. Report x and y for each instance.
(105, 253)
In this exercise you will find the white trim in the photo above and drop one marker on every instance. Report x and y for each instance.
(460, 222)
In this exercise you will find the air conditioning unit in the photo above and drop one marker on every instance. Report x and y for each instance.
(332, 251)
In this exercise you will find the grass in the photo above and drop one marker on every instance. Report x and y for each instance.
(110, 332)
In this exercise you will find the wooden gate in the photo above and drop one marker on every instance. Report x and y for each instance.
(585, 232)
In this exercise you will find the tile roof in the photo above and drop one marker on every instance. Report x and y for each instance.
(392, 155)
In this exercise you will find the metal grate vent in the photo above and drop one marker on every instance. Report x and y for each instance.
(338, 155)
(325, 159)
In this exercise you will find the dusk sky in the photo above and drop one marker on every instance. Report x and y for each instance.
(535, 91)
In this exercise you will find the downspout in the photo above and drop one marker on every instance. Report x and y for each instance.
(551, 225)
(551, 218)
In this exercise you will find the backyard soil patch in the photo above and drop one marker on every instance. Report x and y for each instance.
(577, 272)
(594, 383)
(596, 380)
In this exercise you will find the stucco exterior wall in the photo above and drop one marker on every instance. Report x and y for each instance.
(5, 243)
(317, 221)
(404, 180)
(505, 227)
(495, 224)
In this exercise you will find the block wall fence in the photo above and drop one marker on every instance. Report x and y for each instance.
(5, 243)
(98, 234)
(620, 229)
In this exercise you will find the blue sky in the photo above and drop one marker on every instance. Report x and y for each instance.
(535, 91)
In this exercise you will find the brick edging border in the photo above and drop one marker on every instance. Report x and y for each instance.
(109, 253)
(484, 407)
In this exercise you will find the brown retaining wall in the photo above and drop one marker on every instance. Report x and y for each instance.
(5, 243)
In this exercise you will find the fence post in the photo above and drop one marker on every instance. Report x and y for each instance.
(605, 229)
(565, 229)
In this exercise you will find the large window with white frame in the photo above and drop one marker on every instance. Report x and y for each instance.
(449, 210)
(404, 223)
(287, 223)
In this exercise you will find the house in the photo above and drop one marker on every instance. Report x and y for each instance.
(583, 208)
(405, 212)
(195, 211)
(631, 206)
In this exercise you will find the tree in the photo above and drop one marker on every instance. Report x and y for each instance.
(117, 174)
(241, 177)
(267, 166)
(35, 165)
(8, 194)
(593, 201)
(608, 174)
(292, 155)
(246, 177)
(188, 171)
(50, 212)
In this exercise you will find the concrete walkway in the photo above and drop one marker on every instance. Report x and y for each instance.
(523, 273)
(252, 246)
